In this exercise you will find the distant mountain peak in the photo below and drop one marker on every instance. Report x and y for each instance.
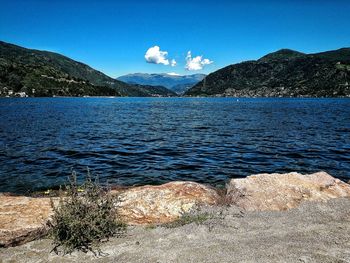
(284, 53)
(173, 81)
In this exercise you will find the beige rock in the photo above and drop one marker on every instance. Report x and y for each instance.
(284, 191)
(22, 219)
(163, 203)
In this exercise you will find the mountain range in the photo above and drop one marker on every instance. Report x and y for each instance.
(42, 73)
(284, 73)
(174, 82)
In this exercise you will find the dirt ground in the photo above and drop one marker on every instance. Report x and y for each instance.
(314, 232)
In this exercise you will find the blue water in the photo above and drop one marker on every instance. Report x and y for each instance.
(133, 141)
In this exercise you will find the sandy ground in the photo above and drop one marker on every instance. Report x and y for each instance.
(314, 232)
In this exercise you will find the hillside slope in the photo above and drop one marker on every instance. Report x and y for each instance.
(43, 73)
(285, 73)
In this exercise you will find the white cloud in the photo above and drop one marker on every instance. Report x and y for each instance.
(173, 63)
(173, 74)
(156, 56)
(196, 63)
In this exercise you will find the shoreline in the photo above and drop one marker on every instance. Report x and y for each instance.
(189, 97)
(23, 219)
(54, 191)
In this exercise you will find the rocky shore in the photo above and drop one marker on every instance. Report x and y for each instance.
(277, 209)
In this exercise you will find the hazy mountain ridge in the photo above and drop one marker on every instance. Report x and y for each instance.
(44, 73)
(176, 83)
(284, 73)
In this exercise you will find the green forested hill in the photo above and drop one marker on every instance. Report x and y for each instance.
(285, 73)
(43, 73)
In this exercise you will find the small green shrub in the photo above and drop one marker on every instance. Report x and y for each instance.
(84, 216)
(150, 227)
(188, 219)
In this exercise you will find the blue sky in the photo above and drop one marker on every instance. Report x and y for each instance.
(114, 36)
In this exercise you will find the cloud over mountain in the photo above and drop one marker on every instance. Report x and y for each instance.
(196, 63)
(173, 63)
(156, 56)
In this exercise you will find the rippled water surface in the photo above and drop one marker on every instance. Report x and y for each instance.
(154, 140)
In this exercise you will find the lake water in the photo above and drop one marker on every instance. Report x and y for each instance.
(135, 141)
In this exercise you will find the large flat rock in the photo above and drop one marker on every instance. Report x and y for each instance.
(163, 203)
(283, 191)
(22, 219)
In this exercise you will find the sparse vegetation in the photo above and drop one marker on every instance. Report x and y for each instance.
(150, 227)
(84, 216)
(343, 67)
(188, 219)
